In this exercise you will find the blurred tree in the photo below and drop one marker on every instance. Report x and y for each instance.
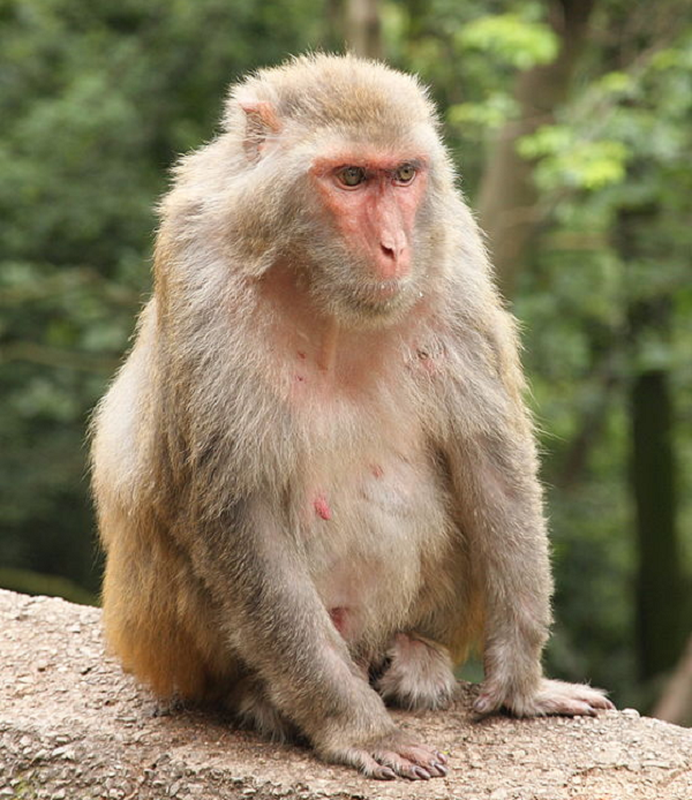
(675, 704)
(335, 19)
(363, 29)
(508, 198)
(659, 578)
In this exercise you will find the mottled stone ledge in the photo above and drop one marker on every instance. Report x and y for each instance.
(73, 726)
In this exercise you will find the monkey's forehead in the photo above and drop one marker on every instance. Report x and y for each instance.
(339, 91)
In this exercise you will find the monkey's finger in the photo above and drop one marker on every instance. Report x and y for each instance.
(384, 774)
(438, 770)
(402, 766)
(600, 701)
(419, 772)
(370, 767)
(431, 760)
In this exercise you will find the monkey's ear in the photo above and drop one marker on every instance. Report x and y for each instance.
(261, 123)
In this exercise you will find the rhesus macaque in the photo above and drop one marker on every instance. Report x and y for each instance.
(315, 474)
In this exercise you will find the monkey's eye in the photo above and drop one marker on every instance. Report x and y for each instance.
(405, 173)
(351, 176)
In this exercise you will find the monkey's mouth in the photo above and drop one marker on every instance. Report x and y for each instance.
(365, 300)
(384, 291)
(380, 298)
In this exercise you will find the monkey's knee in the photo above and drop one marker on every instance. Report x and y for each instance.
(419, 675)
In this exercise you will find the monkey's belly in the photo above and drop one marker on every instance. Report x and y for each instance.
(375, 536)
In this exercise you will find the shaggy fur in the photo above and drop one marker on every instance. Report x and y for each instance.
(297, 488)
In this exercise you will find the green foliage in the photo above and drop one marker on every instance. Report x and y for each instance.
(27, 582)
(489, 115)
(514, 39)
(565, 161)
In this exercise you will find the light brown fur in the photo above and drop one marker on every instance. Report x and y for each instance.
(291, 488)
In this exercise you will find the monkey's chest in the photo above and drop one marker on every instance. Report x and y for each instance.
(375, 527)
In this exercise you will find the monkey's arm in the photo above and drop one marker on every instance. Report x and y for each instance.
(279, 627)
(491, 457)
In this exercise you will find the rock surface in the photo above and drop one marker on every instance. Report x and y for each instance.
(74, 727)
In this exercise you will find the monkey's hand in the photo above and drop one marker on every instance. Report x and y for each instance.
(551, 697)
(387, 756)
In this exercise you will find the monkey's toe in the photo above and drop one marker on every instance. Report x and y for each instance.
(570, 699)
(552, 697)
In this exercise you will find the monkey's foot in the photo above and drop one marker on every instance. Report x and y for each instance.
(254, 710)
(552, 697)
(167, 707)
(392, 755)
(419, 675)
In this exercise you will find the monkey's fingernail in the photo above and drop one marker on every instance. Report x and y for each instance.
(419, 772)
(439, 769)
(386, 774)
(441, 757)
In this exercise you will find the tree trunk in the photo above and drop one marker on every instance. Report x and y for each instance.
(675, 703)
(507, 196)
(363, 28)
(334, 39)
(659, 581)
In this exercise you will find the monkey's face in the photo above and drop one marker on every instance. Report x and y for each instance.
(367, 266)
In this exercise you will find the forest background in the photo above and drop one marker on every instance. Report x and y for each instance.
(571, 125)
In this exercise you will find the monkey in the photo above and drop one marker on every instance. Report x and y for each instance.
(315, 476)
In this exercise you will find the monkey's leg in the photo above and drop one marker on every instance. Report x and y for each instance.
(156, 613)
(419, 674)
(249, 702)
(500, 509)
(276, 622)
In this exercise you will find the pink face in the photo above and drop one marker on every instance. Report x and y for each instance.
(373, 199)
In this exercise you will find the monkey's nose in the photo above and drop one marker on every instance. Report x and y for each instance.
(393, 261)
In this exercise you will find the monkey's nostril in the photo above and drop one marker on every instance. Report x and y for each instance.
(388, 251)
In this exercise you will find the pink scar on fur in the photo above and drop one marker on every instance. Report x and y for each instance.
(338, 616)
(300, 378)
(322, 508)
(377, 470)
(301, 355)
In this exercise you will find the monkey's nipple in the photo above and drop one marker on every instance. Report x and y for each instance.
(322, 508)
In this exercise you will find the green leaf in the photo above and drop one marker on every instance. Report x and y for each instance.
(517, 41)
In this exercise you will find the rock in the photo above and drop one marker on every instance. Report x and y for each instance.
(80, 728)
